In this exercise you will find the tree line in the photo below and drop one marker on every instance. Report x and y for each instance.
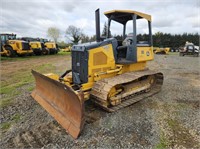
(171, 40)
(75, 35)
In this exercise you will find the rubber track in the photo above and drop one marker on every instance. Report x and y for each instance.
(101, 88)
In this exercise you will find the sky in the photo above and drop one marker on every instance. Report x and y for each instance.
(32, 18)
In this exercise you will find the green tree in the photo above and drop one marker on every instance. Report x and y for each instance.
(85, 38)
(174, 40)
(53, 33)
(104, 32)
(92, 38)
(62, 44)
(74, 34)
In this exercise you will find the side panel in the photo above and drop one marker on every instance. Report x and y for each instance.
(20, 46)
(80, 67)
(101, 59)
(35, 45)
(131, 54)
(25, 46)
(14, 46)
(145, 54)
(50, 45)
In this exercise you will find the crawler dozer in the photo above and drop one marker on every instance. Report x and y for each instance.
(11, 47)
(107, 72)
(158, 50)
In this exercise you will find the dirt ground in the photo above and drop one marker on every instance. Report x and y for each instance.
(170, 118)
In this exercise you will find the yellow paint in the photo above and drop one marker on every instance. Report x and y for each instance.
(144, 54)
(3, 52)
(35, 44)
(101, 64)
(105, 51)
(143, 15)
(133, 67)
(52, 76)
(50, 45)
(110, 69)
(158, 50)
(17, 47)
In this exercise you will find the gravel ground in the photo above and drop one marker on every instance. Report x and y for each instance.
(170, 118)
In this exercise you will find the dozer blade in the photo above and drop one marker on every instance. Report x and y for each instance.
(61, 101)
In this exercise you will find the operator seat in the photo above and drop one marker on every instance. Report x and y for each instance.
(122, 50)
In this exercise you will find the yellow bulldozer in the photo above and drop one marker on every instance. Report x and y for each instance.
(159, 50)
(11, 46)
(111, 73)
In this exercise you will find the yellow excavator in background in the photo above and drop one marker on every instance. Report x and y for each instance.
(111, 73)
(11, 47)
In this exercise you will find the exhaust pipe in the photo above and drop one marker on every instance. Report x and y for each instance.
(97, 20)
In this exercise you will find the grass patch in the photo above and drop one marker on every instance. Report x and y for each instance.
(44, 67)
(5, 126)
(163, 144)
(5, 102)
(12, 83)
(11, 86)
(20, 79)
(16, 118)
(15, 58)
(31, 88)
(23, 58)
(172, 123)
(181, 135)
(10, 89)
(64, 53)
(6, 89)
(173, 53)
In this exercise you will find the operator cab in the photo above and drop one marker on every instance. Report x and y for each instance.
(126, 51)
(190, 47)
(6, 37)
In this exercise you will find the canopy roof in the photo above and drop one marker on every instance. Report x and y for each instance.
(122, 16)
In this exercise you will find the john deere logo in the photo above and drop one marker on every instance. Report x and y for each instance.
(147, 53)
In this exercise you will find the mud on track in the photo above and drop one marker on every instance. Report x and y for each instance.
(168, 119)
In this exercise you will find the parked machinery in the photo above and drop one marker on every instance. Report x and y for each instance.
(3, 51)
(11, 47)
(67, 49)
(161, 50)
(189, 49)
(52, 46)
(36, 45)
(107, 72)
